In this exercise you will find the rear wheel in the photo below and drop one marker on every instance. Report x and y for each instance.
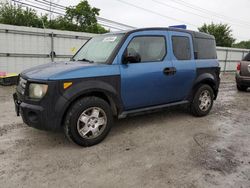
(88, 121)
(241, 88)
(202, 101)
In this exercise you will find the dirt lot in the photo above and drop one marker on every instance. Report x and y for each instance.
(164, 149)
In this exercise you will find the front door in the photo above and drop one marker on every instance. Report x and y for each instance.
(148, 82)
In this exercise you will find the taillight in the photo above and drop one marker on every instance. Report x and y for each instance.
(238, 67)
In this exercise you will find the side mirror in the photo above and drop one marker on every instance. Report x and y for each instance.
(131, 56)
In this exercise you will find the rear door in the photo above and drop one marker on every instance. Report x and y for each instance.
(181, 44)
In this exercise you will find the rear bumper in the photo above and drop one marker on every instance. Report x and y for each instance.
(242, 80)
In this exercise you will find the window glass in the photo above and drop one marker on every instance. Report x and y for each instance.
(150, 48)
(99, 48)
(181, 47)
(206, 48)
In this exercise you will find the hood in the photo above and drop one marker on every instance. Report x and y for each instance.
(67, 70)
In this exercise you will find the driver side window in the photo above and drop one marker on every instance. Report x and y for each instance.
(148, 48)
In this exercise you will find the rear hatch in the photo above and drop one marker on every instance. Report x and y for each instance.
(245, 66)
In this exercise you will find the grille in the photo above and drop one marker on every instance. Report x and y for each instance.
(21, 85)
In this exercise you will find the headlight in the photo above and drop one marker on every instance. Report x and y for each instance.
(37, 91)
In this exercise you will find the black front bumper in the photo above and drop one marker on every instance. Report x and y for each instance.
(46, 114)
(17, 104)
(33, 115)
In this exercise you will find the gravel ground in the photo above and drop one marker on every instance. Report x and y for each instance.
(163, 149)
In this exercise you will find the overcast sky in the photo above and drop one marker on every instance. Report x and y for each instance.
(193, 13)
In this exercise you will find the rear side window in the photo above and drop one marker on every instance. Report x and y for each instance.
(150, 48)
(181, 47)
(206, 48)
(247, 57)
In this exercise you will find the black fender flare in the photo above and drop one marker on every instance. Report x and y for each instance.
(80, 89)
(205, 78)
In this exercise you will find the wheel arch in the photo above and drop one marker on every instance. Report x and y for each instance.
(205, 78)
(99, 89)
(93, 93)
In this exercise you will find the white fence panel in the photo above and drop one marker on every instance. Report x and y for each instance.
(25, 47)
(229, 57)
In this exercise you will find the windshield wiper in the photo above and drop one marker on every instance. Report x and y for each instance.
(84, 59)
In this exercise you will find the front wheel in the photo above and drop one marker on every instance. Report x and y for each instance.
(88, 121)
(202, 101)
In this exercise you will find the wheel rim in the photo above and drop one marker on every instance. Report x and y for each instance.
(91, 123)
(205, 100)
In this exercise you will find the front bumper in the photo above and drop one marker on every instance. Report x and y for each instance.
(242, 80)
(34, 115)
(45, 114)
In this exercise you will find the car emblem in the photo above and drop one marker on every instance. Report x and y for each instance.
(249, 68)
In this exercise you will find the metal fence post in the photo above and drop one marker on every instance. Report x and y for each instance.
(243, 54)
(52, 47)
(225, 65)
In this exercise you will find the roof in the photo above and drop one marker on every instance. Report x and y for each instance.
(195, 34)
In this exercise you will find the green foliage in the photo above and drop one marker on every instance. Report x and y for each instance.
(80, 18)
(242, 44)
(15, 15)
(222, 33)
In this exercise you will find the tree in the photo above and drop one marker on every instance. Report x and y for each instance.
(81, 17)
(222, 33)
(242, 44)
(84, 16)
(15, 15)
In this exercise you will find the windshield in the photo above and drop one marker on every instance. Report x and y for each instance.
(98, 49)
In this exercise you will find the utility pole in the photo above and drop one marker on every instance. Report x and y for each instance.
(50, 9)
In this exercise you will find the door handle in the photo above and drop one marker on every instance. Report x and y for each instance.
(169, 71)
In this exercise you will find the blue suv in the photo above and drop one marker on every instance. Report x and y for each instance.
(117, 75)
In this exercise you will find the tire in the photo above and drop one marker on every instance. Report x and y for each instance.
(88, 121)
(241, 88)
(199, 108)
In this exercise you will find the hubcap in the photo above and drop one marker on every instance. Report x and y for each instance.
(205, 100)
(91, 123)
